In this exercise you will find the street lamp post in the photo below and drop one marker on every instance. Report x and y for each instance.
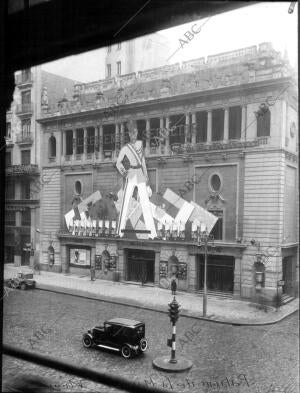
(203, 238)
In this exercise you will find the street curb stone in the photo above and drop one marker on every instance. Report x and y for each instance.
(136, 304)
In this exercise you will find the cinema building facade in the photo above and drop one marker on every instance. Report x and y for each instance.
(242, 153)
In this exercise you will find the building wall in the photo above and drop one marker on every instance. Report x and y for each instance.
(50, 214)
(290, 205)
(263, 213)
(155, 49)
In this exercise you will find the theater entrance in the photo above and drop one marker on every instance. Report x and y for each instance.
(140, 266)
(220, 273)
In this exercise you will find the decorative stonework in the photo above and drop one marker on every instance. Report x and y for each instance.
(111, 248)
(291, 156)
(181, 254)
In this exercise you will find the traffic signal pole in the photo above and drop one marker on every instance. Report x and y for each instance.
(173, 350)
(173, 314)
(166, 363)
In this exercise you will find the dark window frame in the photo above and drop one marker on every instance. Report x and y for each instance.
(26, 218)
(25, 154)
(52, 146)
(108, 70)
(235, 122)
(217, 124)
(263, 128)
(10, 218)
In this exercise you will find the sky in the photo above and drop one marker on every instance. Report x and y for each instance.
(250, 25)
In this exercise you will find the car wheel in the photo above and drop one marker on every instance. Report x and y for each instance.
(23, 286)
(87, 341)
(126, 352)
(143, 344)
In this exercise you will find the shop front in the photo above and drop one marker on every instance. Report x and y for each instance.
(220, 273)
(140, 266)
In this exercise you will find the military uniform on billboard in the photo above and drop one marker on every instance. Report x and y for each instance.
(131, 163)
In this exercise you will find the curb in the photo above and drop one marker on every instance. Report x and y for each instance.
(132, 303)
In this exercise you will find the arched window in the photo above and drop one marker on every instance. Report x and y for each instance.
(264, 123)
(52, 146)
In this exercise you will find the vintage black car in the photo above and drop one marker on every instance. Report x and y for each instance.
(119, 334)
(21, 281)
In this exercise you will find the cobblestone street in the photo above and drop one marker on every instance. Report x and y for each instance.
(246, 359)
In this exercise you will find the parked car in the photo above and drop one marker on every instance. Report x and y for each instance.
(21, 281)
(119, 334)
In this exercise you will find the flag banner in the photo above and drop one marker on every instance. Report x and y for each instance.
(202, 217)
(80, 212)
(89, 201)
(184, 207)
(172, 211)
(166, 206)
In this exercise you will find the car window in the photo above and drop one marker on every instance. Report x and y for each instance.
(140, 330)
(116, 330)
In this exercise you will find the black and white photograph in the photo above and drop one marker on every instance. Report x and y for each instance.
(150, 197)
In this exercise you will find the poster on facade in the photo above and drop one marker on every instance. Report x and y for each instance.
(80, 257)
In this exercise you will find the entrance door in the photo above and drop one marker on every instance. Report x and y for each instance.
(140, 266)
(220, 273)
(287, 275)
(25, 255)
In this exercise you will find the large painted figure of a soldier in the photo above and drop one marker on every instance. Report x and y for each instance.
(131, 165)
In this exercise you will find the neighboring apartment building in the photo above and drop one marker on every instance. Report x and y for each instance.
(135, 55)
(22, 206)
(245, 158)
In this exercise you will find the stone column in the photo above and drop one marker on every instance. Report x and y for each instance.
(122, 135)
(59, 147)
(93, 253)
(192, 273)
(147, 137)
(117, 139)
(85, 143)
(209, 126)
(226, 125)
(121, 264)
(64, 145)
(167, 145)
(186, 128)
(194, 129)
(101, 142)
(156, 268)
(243, 123)
(65, 264)
(74, 144)
(161, 135)
(237, 278)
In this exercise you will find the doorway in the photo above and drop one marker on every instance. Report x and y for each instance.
(220, 273)
(140, 266)
(287, 275)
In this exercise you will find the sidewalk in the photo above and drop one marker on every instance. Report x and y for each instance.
(153, 298)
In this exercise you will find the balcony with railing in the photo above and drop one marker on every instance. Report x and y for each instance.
(25, 138)
(24, 109)
(24, 79)
(21, 170)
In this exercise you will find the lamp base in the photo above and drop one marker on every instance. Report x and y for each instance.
(163, 363)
